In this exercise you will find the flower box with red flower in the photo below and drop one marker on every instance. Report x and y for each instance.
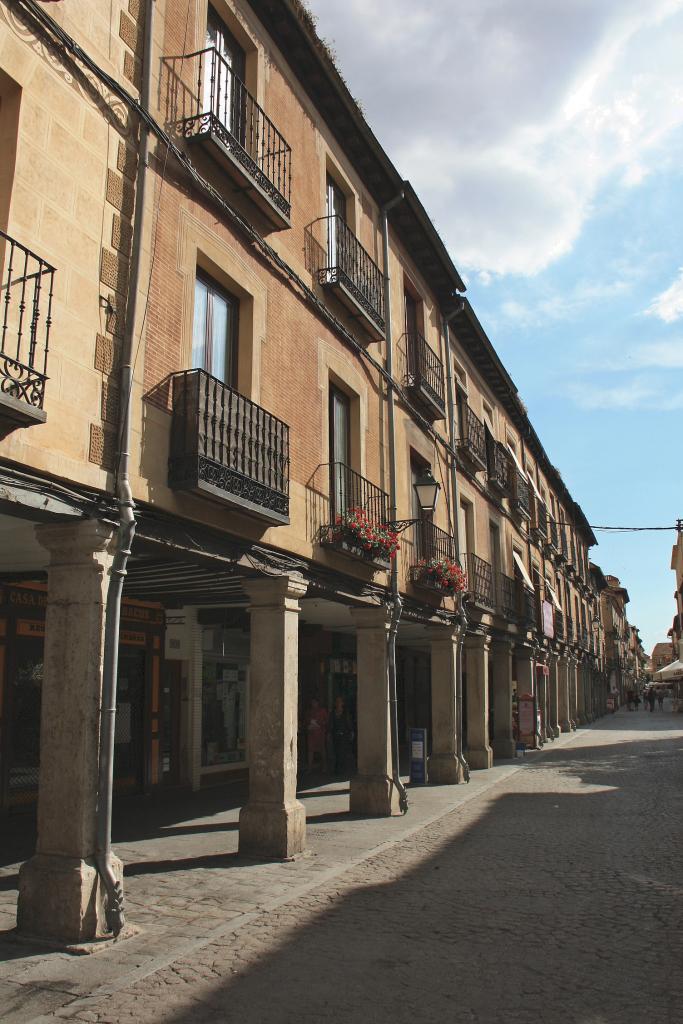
(355, 534)
(442, 574)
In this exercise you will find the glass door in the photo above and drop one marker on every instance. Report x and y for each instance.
(214, 333)
(336, 212)
(224, 90)
(341, 490)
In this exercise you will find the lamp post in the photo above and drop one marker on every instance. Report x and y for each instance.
(427, 493)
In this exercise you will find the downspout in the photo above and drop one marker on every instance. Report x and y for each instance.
(396, 603)
(455, 498)
(126, 527)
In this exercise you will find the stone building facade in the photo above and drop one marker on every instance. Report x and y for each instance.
(243, 273)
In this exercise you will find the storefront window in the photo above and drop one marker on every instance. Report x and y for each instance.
(224, 705)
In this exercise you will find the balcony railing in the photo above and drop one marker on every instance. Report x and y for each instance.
(227, 447)
(429, 544)
(26, 288)
(571, 635)
(472, 443)
(507, 596)
(425, 374)
(346, 267)
(563, 543)
(499, 468)
(559, 625)
(520, 497)
(539, 519)
(480, 581)
(554, 538)
(350, 492)
(583, 639)
(223, 109)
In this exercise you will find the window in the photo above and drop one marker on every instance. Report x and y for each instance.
(466, 527)
(494, 545)
(224, 75)
(341, 490)
(214, 331)
(411, 314)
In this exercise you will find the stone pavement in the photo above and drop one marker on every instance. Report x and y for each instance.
(550, 890)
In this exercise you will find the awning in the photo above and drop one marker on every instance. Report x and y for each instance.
(516, 461)
(533, 484)
(671, 672)
(553, 596)
(523, 570)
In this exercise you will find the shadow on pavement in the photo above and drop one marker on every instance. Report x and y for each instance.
(533, 912)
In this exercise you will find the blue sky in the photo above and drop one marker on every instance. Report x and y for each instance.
(545, 138)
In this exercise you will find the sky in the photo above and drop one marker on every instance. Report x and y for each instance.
(545, 139)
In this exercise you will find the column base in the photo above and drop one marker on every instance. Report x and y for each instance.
(479, 758)
(374, 796)
(445, 770)
(554, 731)
(504, 747)
(565, 726)
(272, 831)
(581, 719)
(61, 899)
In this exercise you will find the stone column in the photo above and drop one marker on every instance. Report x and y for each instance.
(588, 691)
(373, 792)
(573, 709)
(445, 768)
(563, 694)
(479, 753)
(273, 822)
(503, 737)
(60, 896)
(542, 697)
(553, 722)
(580, 694)
(524, 668)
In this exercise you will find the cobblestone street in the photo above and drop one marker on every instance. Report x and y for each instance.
(555, 895)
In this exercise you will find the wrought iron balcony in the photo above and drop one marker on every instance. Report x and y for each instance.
(584, 640)
(226, 447)
(539, 520)
(26, 287)
(520, 494)
(559, 625)
(499, 468)
(480, 584)
(348, 270)
(472, 444)
(430, 544)
(351, 497)
(562, 551)
(425, 375)
(225, 117)
(553, 540)
(507, 596)
(571, 635)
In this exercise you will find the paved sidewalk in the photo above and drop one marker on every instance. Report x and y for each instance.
(185, 884)
(364, 904)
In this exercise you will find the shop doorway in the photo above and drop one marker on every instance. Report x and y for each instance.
(23, 718)
(129, 754)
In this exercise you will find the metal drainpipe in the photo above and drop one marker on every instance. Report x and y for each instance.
(455, 497)
(396, 603)
(126, 528)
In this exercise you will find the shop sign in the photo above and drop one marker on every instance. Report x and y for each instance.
(418, 757)
(548, 624)
(30, 627)
(133, 639)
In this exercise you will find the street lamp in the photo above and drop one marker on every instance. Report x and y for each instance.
(427, 491)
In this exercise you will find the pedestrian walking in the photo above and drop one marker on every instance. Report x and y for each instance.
(660, 700)
(651, 699)
(637, 702)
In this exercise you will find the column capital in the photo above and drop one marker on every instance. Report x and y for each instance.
(71, 543)
(478, 642)
(276, 591)
(371, 617)
(445, 632)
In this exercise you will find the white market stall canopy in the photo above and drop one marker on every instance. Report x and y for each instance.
(670, 673)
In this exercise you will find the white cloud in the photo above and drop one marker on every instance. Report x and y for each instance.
(665, 355)
(634, 395)
(668, 305)
(509, 117)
